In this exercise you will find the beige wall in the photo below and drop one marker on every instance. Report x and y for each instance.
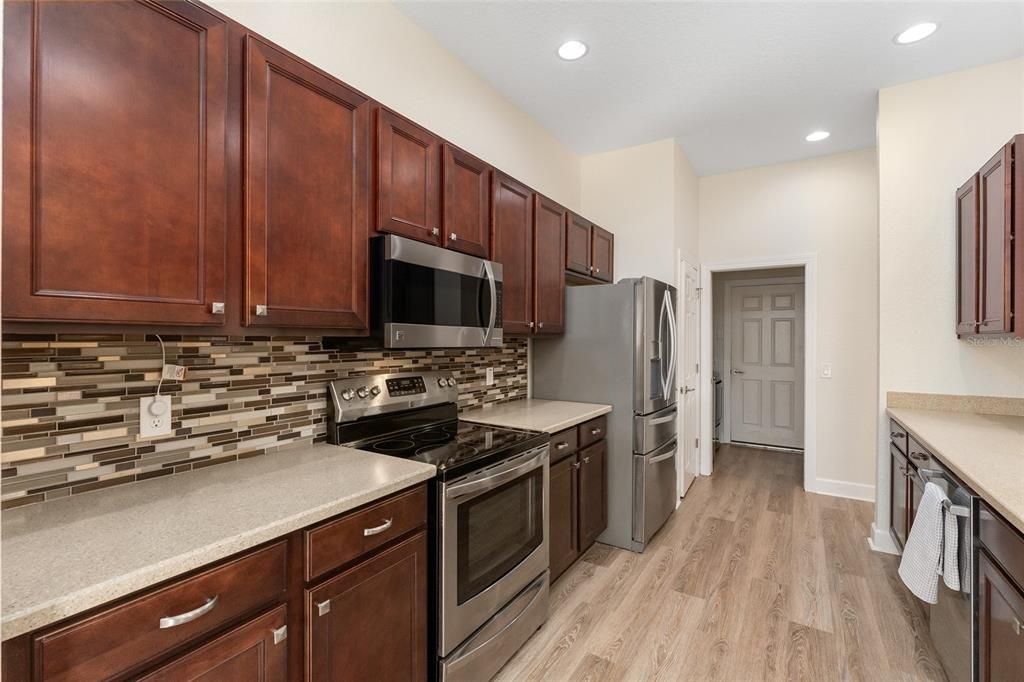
(647, 196)
(932, 134)
(826, 206)
(375, 48)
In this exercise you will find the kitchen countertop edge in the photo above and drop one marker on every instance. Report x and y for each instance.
(906, 417)
(35, 616)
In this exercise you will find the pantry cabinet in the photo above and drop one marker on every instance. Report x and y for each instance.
(114, 180)
(408, 178)
(578, 492)
(307, 195)
(990, 257)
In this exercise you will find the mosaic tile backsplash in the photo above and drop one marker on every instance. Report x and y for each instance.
(70, 410)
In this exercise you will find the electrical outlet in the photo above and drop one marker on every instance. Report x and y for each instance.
(154, 416)
(174, 372)
(490, 376)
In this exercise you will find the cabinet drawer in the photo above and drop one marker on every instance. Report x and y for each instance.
(1003, 542)
(898, 435)
(337, 542)
(592, 431)
(563, 444)
(917, 453)
(124, 637)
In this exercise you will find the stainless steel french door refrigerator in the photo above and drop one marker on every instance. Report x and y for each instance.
(619, 348)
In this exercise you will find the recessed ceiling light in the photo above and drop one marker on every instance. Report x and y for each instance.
(916, 32)
(817, 136)
(571, 50)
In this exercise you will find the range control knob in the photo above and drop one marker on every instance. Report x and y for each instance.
(441, 382)
(375, 391)
(362, 392)
(451, 381)
(347, 394)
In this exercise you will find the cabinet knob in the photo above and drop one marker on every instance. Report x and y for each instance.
(575, 465)
(435, 231)
(217, 307)
(261, 310)
(530, 325)
(597, 271)
(895, 434)
(586, 460)
(453, 236)
(323, 608)
(280, 634)
(1017, 627)
(540, 325)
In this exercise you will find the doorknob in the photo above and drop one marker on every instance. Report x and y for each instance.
(738, 371)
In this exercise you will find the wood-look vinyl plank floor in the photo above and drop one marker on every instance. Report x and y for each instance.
(751, 579)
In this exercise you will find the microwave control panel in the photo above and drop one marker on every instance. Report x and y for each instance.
(405, 386)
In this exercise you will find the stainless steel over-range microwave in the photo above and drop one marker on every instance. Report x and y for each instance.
(424, 296)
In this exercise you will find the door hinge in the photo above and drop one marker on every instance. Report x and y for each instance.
(696, 442)
(696, 368)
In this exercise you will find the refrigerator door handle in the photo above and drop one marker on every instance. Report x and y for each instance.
(670, 373)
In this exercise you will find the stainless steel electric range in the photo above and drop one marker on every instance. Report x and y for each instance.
(488, 517)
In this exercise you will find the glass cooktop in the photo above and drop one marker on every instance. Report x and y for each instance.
(455, 447)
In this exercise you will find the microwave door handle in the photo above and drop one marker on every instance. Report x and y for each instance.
(493, 285)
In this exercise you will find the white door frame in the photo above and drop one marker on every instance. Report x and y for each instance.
(809, 263)
(681, 264)
(726, 435)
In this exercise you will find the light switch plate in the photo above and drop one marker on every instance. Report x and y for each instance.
(154, 416)
(490, 376)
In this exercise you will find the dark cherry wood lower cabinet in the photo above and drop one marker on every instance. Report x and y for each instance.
(563, 543)
(1000, 624)
(370, 622)
(255, 651)
(593, 503)
(898, 495)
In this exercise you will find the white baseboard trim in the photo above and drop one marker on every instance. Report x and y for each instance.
(854, 491)
(881, 541)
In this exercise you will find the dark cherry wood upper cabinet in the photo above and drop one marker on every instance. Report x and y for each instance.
(967, 203)
(307, 195)
(549, 220)
(1000, 617)
(512, 246)
(408, 178)
(593, 493)
(564, 541)
(602, 253)
(996, 211)
(577, 244)
(256, 651)
(114, 179)
(370, 622)
(466, 203)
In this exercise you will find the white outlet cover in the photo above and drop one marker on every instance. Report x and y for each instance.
(490, 376)
(154, 421)
(174, 372)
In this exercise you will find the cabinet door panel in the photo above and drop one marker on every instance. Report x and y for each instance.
(466, 202)
(898, 502)
(373, 622)
(967, 222)
(563, 545)
(248, 652)
(307, 186)
(577, 244)
(114, 169)
(593, 494)
(549, 222)
(602, 254)
(512, 246)
(1000, 629)
(996, 211)
(408, 178)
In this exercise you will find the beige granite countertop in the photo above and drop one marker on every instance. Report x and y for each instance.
(985, 451)
(63, 557)
(546, 416)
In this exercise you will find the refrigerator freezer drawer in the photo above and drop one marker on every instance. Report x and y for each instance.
(651, 431)
(654, 492)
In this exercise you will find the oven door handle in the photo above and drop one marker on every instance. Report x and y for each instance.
(493, 286)
(473, 487)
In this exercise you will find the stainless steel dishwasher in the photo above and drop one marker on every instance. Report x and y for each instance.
(951, 619)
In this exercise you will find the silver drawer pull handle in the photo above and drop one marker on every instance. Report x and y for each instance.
(188, 616)
(895, 434)
(594, 432)
(561, 446)
(376, 530)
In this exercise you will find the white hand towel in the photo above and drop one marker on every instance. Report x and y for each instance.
(922, 556)
(950, 544)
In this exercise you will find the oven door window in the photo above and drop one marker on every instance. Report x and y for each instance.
(430, 296)
(497, 530)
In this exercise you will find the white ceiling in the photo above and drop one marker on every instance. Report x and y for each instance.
(737, 84)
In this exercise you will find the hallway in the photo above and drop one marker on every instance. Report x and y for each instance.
(751, 579)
